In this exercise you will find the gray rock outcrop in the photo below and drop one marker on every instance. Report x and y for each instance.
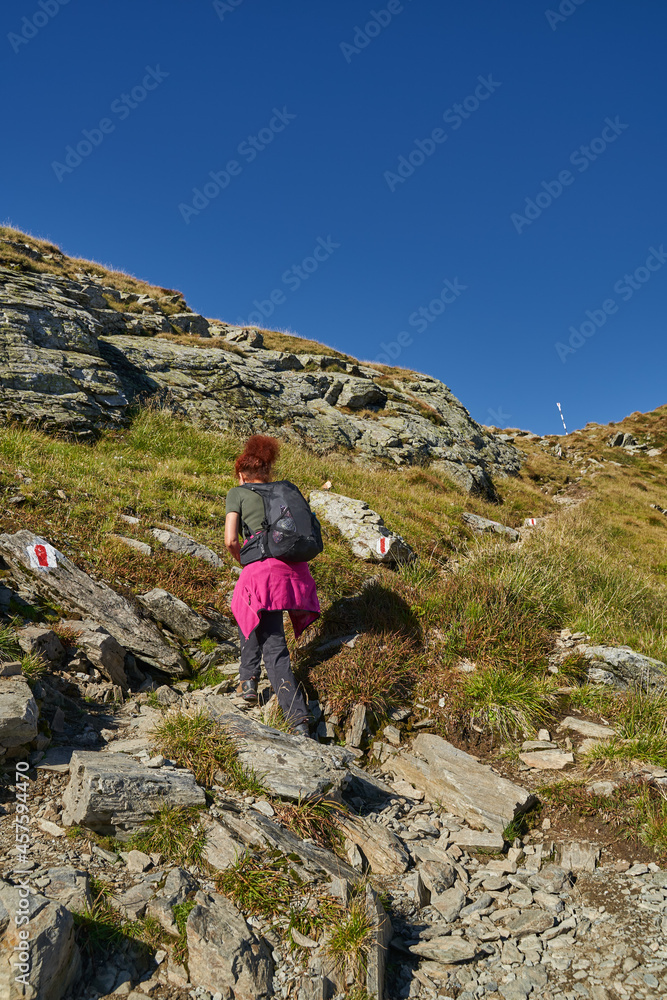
(626, 665)
(183, 545)
(69, 587)
(69, 362)
(113, 794)
(484, 526)
(101, 649)
(363, 528)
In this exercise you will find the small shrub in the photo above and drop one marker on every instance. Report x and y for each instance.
(67, 634)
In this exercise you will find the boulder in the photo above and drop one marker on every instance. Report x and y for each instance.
(190, 323)
(104, 652)
(112, 794)
(460, 783)
(64, 584)
(175, 614)
(629, 666)
(362, 527)
(42, 642)
(291, 767)
(18, 713)
(445, 950)
(51, 965)
(223, 952)
(483, 526)
(383, 850)
(579, 857)
(183, 545)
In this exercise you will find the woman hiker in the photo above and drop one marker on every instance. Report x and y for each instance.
(265, 589)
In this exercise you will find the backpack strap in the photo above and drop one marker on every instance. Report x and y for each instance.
(265, 523)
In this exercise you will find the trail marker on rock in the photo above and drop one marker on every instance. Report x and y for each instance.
(42, 556)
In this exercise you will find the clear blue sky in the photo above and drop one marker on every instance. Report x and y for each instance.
(387, 244)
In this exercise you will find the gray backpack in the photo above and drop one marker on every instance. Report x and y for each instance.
(290, 530)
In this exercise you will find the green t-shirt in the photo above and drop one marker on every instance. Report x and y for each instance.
(248, 504)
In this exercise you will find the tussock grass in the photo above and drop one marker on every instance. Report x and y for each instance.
(99, 928)
(9, 646)
(199, 743)
(350, 941)
(316, 819)
(378, 672)
(177, 833)
(508, 703)
(32, 666)
(260, 882)
(181, 913)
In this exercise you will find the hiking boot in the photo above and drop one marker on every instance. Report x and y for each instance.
(248, 691)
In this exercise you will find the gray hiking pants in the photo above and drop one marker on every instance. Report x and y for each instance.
(268, 640)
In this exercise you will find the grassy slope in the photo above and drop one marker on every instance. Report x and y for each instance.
(601, 568)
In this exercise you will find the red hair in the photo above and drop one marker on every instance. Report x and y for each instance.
(258, 458)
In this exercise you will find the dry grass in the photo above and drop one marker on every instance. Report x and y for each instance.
(292, 343)
(29, 254)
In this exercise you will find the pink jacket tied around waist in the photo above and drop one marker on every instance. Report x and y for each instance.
(274, 585)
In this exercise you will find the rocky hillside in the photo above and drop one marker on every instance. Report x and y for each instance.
(79, 351)
(482, 812)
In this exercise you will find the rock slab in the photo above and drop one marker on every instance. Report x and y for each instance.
(64, 584)
(113, 794)
(54, 962)
(18, 713)
(224, 953)
(291, 767)
(175, 614)
(463, 785)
